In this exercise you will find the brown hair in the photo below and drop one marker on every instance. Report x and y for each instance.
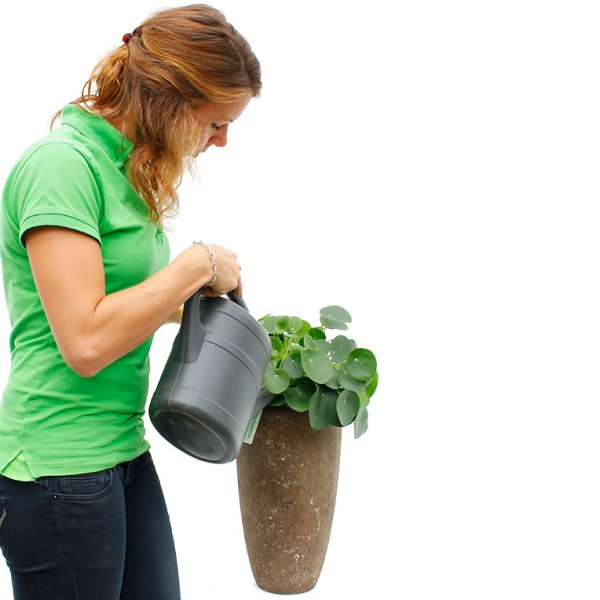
(174, 61)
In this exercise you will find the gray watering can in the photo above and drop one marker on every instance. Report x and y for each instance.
(210, 387)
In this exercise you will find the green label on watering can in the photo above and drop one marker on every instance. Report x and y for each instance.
(250, 432)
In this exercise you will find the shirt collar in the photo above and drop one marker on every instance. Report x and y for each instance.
(108, 138)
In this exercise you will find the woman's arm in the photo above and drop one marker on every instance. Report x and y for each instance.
(176, 316)
(92, 329)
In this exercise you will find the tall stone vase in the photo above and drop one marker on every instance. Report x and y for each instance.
(287, 480)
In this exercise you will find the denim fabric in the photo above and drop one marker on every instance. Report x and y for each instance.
(95, 536)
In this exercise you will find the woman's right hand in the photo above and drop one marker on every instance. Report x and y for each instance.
(228, 273)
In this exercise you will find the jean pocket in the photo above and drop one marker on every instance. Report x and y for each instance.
(87, 486)
(3, 528)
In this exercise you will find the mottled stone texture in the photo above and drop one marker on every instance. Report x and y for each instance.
(287, 480)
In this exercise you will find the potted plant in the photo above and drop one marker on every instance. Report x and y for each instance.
(288, 474)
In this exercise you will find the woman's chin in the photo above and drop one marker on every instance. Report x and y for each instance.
(199, 151)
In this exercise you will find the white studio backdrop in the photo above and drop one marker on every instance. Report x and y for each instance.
(432, 167)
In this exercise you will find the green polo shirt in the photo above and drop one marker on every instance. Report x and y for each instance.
(52, 420)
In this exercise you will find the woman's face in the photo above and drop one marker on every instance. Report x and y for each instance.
(214, 120)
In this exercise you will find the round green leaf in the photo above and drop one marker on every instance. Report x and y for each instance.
(341, 346)
(306, 385)
(322, 409)
(336, 312)
(316, 333)
(350, 383)
(306, 327)
(282, 324)
(308, 342)
(333, 383)
(335, 317)
(361, 364)
(332, 324)
(361, 422)
(372, 385)
(316, 365)
(277, 401)
(276, 380)
(364, 399)
(296, 399)
(269, 323)
(277, 346)
(295, 324)
(323, 346)
(292, 365)
(347, 407)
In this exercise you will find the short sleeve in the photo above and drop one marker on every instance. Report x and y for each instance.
(56, 185)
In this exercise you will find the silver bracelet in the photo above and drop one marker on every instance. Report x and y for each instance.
(213, 262)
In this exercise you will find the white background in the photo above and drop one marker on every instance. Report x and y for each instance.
(431, 166)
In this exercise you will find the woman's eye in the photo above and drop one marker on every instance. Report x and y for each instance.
(215, 126)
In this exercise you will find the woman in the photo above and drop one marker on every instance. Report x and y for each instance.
(88, 281)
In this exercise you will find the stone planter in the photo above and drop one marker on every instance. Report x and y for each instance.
(287, 481)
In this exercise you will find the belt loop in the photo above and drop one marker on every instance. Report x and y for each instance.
(118, 469)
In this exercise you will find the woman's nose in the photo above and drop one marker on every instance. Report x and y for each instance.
(220, 137)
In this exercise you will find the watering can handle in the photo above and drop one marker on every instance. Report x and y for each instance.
(191, 331)
(238, 300)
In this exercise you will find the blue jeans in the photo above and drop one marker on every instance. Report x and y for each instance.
(96, 536)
